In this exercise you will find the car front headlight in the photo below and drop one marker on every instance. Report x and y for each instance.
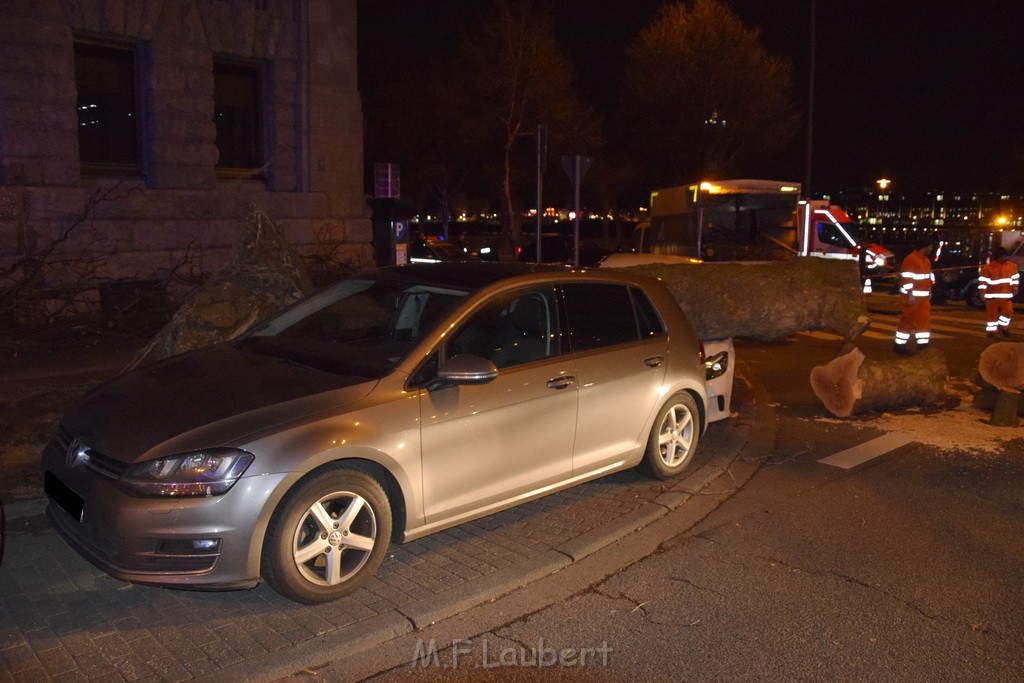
(201, 473)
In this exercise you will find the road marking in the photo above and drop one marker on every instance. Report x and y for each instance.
(874, 332)
(828, 336)
(868, 450)
(976, 323)
(960, 318)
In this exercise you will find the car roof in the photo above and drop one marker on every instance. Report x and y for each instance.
(470, 275)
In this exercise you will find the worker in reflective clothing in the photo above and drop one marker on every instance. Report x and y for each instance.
(998, 283)
(915, 289)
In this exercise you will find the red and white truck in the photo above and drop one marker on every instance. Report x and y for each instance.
(742, 220)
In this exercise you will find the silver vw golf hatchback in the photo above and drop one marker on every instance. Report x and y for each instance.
(390, 405)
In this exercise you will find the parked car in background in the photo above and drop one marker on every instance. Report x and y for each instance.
(558, 248)
(431, 250)
(555, 249)
(393, 404)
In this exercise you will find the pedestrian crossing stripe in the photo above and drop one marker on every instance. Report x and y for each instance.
(885, 330)
(870, 334)
(869, 450)
(828, 336)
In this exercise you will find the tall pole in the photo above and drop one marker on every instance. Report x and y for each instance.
(810, 104)
(541, 144)
(577, 172)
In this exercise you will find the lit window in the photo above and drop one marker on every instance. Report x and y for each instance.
(236, 112)
(108, 135)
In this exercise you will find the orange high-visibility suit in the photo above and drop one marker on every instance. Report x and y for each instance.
(916, 290)
(998, 283)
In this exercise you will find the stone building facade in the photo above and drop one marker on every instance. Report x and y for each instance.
(135, 133)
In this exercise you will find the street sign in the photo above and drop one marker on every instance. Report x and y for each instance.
(569, 164)
(386, 181)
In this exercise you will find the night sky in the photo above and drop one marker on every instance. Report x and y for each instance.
(929, 93)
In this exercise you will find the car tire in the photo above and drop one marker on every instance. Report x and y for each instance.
(328, 536)
(974, 298)
(674, 436)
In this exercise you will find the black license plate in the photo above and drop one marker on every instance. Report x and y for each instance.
(62, 495)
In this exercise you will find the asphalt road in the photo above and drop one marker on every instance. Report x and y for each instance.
(906, 568)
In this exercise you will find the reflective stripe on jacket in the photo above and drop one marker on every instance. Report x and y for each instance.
(999, 280)
(916, 276)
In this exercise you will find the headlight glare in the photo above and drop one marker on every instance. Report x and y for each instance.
(201, 473)
(716, 365)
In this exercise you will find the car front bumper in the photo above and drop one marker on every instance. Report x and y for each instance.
(210, 542)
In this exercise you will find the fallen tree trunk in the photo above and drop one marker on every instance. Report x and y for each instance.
(850, 384)
(766, 301)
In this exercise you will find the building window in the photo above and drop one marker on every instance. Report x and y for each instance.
(236, 112)
(108, 115)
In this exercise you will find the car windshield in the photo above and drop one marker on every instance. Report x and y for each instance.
(851, 229)
(362, 326)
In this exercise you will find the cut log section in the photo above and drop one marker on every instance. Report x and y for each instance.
(1002, 365)
(850, 384)
(1004, 412)
(986, 400)
(766, 301)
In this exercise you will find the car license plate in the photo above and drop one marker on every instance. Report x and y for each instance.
(61, 493)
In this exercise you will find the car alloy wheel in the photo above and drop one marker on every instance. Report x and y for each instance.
(328, 536)
(674, 437)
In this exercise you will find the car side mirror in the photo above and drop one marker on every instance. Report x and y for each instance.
(464, 369)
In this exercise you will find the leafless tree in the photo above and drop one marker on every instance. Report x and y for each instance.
(509, 75)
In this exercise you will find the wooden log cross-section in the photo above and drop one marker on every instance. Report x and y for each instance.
(1001, 366)
(851, 384)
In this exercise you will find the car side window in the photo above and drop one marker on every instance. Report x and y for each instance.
(600, 314)
(647, 317)
(511, 329)
(828, 234)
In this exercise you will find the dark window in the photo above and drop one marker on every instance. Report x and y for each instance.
(108, 134)
(236, 113)
(647, 318)
(828, 234)
(512, 329)
(599, 315)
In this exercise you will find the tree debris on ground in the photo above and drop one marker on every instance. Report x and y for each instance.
(851, 384)
(263, 275)
(766, 301)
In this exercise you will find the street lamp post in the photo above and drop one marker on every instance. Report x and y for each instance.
(883, 196)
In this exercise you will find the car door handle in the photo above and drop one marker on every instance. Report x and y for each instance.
(561, 382)
(654, 361)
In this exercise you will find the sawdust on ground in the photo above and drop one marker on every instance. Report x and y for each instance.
(964, 428)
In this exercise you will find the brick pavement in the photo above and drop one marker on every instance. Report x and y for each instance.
(62, 619)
